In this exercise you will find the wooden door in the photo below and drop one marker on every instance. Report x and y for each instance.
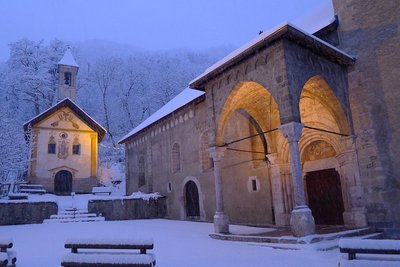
(325, 197)
(192, 201)
(63, 183)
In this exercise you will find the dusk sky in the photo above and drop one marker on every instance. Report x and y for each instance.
(154, 24)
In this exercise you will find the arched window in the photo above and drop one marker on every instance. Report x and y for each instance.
(67, 78)
(51, 146)
(205, 159)
(176, 158)
(76, 147)
(142, 171)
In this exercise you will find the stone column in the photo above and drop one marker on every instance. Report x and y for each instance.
(277, 194)
(221, 220)
(301, 220)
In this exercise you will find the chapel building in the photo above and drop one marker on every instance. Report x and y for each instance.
(292, 129)
(64, 140)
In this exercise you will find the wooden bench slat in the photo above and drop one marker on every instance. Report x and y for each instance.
(368, 246)
(109, 246)
(370, 251)
(108, 259)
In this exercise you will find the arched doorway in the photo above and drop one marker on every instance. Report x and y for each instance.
(192, 201)
(63, 183)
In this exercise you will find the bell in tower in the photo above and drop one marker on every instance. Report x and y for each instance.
(67, 71)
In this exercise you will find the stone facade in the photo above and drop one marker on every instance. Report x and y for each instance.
(64, 133)
(285, 117)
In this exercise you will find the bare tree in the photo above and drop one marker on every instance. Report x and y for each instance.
(106, 74)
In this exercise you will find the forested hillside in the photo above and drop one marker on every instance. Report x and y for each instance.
(119, 86)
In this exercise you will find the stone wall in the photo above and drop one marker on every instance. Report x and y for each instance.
(129, 209)
(12, 213)
(374, 96)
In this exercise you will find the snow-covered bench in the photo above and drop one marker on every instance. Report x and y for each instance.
(101, 190)
(370, 246)
(7, 257)
(109, 258)
(17, 196)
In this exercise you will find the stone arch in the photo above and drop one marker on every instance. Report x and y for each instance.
(317, 90)
(321, 109)
(201, 198)
(256, 100)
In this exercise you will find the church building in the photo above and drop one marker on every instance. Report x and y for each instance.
(64, 139)
(291, 129)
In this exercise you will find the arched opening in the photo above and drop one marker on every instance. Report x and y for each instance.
(325, 126)
(247, 127)
(63, 183)
(192, 203)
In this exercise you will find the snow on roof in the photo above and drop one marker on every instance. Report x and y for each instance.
(263, 36)
(178, 101)
(68, 59)
(62, 102)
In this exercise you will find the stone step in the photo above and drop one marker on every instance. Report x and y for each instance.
(32, 189)
(269, 237)
(31, 186)
(78, 215)
(72, 220)
(73, 212)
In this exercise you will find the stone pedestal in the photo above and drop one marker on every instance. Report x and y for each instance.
(302, 222)
(221, 223)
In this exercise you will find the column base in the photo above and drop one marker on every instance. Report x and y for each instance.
(301, 221)
(221, 223)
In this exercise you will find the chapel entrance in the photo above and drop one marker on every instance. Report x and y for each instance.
(192, 201)
(325, 197)
(63, 183)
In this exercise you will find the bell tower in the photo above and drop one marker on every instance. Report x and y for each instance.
(67, 71)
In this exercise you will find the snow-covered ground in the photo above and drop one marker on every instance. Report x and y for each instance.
(176, 244)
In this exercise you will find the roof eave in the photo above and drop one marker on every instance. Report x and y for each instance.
(287, 31)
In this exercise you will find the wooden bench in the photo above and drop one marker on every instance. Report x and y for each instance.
(353, 246)
(101, 190)
(7, 257)
(106, 254)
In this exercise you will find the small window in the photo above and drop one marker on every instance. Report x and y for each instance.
(169, 189)
(253, 184)
(76, 149)
(51, 148)
(142, 172)
(67, 78)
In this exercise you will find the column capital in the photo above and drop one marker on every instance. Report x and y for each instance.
(292, 131)
(217, 152)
